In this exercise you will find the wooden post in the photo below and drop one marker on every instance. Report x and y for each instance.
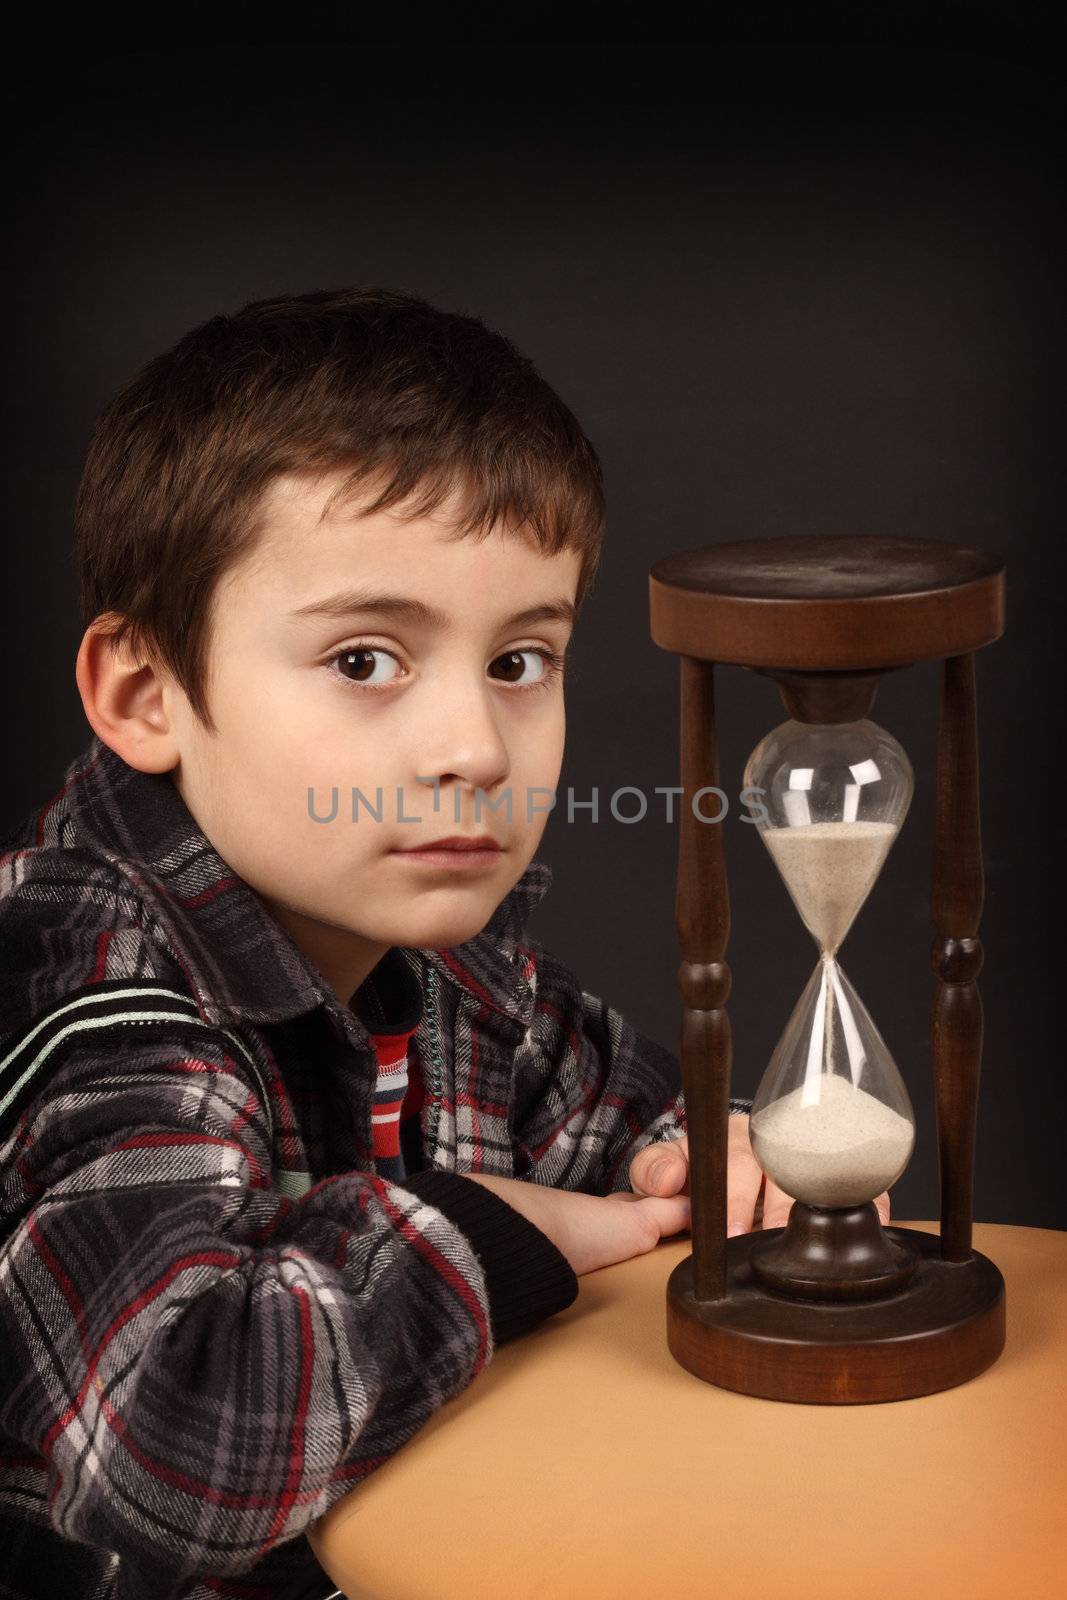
(956, 953)
(702, 916)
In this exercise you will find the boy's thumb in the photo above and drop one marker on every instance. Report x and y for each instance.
(655, 1178)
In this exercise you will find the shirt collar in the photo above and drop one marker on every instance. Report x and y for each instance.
(241, 963)
(489, 969)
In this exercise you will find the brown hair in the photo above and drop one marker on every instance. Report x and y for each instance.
(373, 380)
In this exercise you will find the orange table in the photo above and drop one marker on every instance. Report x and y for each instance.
(585, 1462)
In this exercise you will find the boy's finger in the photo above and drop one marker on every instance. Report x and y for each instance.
(744, 1179)
(776, 1206)
(673, 1213)
(663, 1177)
(659, 1169)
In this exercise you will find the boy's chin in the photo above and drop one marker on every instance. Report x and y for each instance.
(444, 928)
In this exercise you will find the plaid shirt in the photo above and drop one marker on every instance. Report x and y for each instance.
(216, 1317)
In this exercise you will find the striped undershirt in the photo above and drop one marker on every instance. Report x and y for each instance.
(395, 1106)
(390, 1004)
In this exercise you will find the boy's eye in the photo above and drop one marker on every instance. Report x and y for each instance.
(552, 664)
(356, 666)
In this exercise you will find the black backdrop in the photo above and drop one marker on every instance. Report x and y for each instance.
(804, 287)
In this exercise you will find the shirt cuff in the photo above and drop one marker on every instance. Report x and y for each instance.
(527, 1278)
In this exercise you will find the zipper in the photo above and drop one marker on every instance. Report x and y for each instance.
(435, 1054)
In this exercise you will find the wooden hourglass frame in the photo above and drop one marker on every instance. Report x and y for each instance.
(825, 618)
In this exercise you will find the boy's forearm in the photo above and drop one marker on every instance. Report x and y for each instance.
(209, 1327)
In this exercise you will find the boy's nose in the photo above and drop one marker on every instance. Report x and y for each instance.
(459, 794)
(476, 757)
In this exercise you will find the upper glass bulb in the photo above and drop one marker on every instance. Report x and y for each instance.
(835, 795)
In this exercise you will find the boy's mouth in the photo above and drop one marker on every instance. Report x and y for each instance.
(457, 851)
(458, 841)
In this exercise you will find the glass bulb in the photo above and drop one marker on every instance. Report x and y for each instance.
(834, 796)
(831, 1122)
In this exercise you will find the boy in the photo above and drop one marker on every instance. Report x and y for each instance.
(297, 1124)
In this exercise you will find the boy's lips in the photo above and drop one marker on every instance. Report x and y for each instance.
(456, 842)
(457, 853)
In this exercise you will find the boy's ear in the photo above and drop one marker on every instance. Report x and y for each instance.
(124, 700)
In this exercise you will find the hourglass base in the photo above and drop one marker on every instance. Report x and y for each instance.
(942, 1328)
(832, 1253)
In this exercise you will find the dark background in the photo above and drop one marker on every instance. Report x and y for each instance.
(795, 285)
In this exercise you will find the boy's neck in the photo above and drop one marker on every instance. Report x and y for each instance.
(344, 959)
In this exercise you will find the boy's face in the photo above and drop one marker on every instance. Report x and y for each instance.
(294, 711)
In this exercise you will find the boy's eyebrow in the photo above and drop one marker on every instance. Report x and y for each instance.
(418, 614)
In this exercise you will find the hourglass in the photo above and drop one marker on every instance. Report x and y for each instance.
(834, 1307)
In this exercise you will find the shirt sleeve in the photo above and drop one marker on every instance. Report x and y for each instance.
(591, 1089)
(204, 1364)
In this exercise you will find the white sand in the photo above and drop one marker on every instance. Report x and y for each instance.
(829, 868)
(840, 1152)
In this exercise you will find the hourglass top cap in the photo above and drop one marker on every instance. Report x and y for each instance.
(834, 603)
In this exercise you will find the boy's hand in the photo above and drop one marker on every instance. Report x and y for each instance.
(663, 1169)
(592, 1230)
